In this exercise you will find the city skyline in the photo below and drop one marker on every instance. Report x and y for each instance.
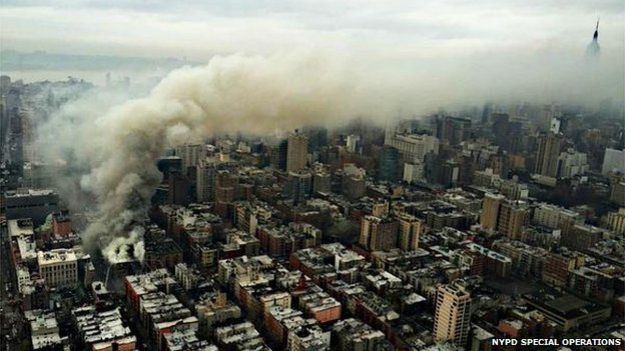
(539, 45)
(427, 29)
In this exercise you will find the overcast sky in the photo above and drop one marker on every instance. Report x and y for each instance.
(390, 29)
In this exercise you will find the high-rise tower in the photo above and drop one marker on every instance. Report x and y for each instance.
(549, 147)
(490, 211)
(593, 47)
(297, 152)
(453, 314)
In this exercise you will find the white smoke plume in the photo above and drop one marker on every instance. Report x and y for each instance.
(122, 248)
(114, 147)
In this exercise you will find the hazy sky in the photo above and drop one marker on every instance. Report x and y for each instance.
(389, 29)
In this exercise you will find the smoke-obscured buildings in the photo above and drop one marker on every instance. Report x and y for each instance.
(613, 161)
(549, 147)
(297, 152)
(412, 147)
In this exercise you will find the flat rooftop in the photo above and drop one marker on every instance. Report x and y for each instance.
(567, 303)
(55, 256)
(19, 227)
(28, 192)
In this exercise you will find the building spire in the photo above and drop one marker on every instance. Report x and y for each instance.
(593, 48)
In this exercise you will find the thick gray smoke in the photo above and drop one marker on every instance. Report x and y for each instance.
(114, 147)
(250, 94)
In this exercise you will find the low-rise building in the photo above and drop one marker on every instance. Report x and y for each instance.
(138, 285)
(615, 221)
(58, 267)
(103, 330)
(308, 338)
(214, 310)
(240, 337)
(320, 306)
(558, 266)
(44, 330)
(186, 340)
(353, 335)
(567, 311)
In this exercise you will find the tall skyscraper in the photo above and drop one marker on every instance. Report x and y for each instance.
(490, 211)
(453, 314)
(549, 146)
(410, 228)
(297, 152)
(322, 182)
(190, 154)
(556, 125)
(278, 155)
(412, 147)
(513, 217)
(205, 180)
(615, 221)
(500, 126)
(225, 186)
(486, 112)
(572, 163)
(613, 161)
(413, 172)
(378, 233)
(593, 47)
(317, 137)
(178, 189)
(352, 143)
(617, 192)
(448, 173)
(389, 164)
(353, 186)
(453, 129)
(298, 186)
(169, 165)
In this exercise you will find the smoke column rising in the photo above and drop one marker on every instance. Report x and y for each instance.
(112, 147)
(250, 94)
